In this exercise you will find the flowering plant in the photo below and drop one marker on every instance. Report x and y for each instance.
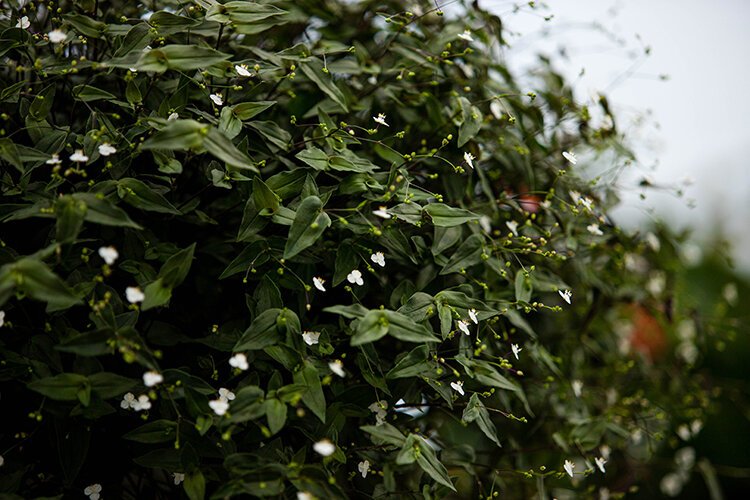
(309, 248)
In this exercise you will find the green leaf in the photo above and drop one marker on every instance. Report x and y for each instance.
(179, 57)
(476, 410)
(471, 122)
(523, 287)
(276, 415)
(37, 281)
(313, 69)
(261, 333)
(413, 364)
(229, 124)
(85, 25)
(279, 138)
(92, 343)
(222, 148)
(385, 433)
(465, 256)
(445, 216)
(176, 268)
(314, 157)
(264, 198)
(429, 463)
(308, 226)
(157, 294)
(158, 431)
(42, 103)
(9, 153)
(70, 216)
(248, 18)
(167, 23)
(102, 211)
(247, 110)
(372, 327)
(195, 485)
(87, 93)
(352, 311)
(178, 135)
(313, 398)
(62, 387)
(139, 195)
(110, 385)
(346, 260)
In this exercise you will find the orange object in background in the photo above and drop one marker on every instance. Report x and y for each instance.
(647, 335)
(530, 202)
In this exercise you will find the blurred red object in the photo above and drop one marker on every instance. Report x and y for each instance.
(647, 335)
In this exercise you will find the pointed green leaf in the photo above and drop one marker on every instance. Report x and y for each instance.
(309, 224)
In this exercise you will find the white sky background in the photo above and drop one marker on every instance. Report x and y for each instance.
(699, 121)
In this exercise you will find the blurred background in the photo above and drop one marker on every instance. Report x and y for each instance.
(676, 75)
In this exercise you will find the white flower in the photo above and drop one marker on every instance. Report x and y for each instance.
(363, 467)
(2, 318)
(54, 160)
(378, 258)
(226, 394)
(128, 401)
(463, 326)
(570, 156)
(486, 223)
(242, 70)
(142, 403)
(379, 409)
(337, 367)
(605, 451)
(577, 386)
(57, 36)
(594, 229)
(380, 119)
(134, 294)
(671, 484)
(310, 338)
(695, 427)
(178, 477)
(23, 23)
(600, 461)
(469, 159)
(566, 295)
(575, 196)
(458, 387)
(653, 241)
(219, 406)
(513, 226)
(319, 282)
(172, 117)
(152, 378)
(466, 35)
(133, 70)
(684, 432)
(93, 491)
(304, 495)
(515, 349)
(108, 254)
(239, 360)
(324, 447)
(78, 156)
(586, 202)
(355, 277)
(473, 316)
(107, 149)
(217, 99)
(382, 212)
(569, 466)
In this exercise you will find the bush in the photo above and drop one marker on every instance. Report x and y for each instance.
(327, 249)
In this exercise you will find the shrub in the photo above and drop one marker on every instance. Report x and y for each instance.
(331, 249)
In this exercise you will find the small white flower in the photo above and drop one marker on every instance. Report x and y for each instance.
(378, 258)
(515, 349)
(653, 241)
(2, 318)
(128, 401)
(684, 432)
(93, 491)
(463, 326)
(319, 282)
(57, 36)
(337, 367)
(54, 160)
(473, 316)
(355, 277)
(217, 99)
(107, 149)
(226, 394)
(178, 477)
(380, 119)
(133, 70)
(172, 117)
(134, 294)
(469, 159)
(671, 484)
(239, 360)
(305, 495)
(458, 387)
(575, 196)
(577, 386)
(219, 406)
(513, 226)
(310, 338)
(379, 409)
(142, 403)
(486, 223)
(466, 35)
(569, 466)
(364, 467)
(79, 157)
(594, 229)
(23, 23)
(605, 451)
(586, 202)
(382, 212)
(108, 254)
(566, 295)
(600, 461)
(242, 70)
(695, 427)
(324, 447)
(152, 378)
(570, 156)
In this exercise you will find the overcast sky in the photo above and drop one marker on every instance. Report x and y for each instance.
(697, 124)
